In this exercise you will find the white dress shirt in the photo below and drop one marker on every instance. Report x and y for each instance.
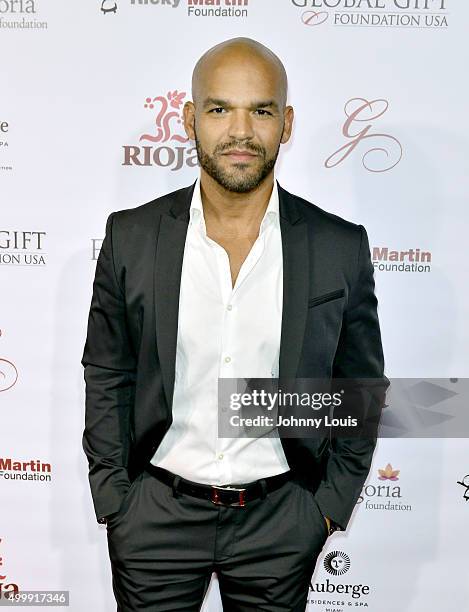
(224, 332)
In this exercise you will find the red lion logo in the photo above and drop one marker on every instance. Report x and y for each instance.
(165, 116)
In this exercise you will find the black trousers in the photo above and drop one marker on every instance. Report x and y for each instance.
(163, 549)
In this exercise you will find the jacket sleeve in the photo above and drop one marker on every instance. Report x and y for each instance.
(359, 355)
(109, 375)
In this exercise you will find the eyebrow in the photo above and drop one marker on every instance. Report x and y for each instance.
(226, 104)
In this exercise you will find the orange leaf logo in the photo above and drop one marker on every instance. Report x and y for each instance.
(388, 473)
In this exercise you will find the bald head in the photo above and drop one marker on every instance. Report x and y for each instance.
(236, 53)
(238, 115)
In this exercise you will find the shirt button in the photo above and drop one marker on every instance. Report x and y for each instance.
(227, 359)
(220, 456)
(229, 307)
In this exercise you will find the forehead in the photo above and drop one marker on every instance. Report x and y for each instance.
(239, 78)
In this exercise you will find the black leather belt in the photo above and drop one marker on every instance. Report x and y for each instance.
(223, 495)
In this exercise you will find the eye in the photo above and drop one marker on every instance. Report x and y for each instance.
(263, 112)
(217, 110)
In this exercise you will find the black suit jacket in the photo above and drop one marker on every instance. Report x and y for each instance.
(329, 329)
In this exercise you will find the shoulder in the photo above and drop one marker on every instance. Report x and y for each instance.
(325, 225)
(149, 212)
(314, 213)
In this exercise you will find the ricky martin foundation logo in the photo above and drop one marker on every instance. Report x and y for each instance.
(20, 15)
(17, 469)
(379, 150)
(8, 373)
(217, 8)
(170, 3)
(373, 13)
(411, 260)
(165, 143)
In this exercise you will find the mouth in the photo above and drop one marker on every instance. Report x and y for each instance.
(239, 155)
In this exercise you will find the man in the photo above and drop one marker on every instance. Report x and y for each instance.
(231, 277)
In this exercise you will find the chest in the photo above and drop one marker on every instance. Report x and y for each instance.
(233, 289)
(237, 251)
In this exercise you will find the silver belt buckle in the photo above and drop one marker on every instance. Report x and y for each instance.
(215, 499)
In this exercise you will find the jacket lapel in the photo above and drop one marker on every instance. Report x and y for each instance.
(168, 266)
(296, 283)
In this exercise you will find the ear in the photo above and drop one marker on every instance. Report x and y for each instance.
(189, 119)
(288, 124)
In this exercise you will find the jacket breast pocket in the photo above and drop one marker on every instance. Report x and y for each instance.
(326, 297)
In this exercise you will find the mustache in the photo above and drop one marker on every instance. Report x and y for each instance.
(245, 146)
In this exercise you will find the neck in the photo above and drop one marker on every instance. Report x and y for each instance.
(238, 210)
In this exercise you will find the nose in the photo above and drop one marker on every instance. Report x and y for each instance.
(240, 125)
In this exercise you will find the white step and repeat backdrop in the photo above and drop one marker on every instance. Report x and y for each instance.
(91, 94)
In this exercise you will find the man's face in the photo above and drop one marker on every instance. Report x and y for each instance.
(238, 122)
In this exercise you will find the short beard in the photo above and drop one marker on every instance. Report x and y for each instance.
(234, 182)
